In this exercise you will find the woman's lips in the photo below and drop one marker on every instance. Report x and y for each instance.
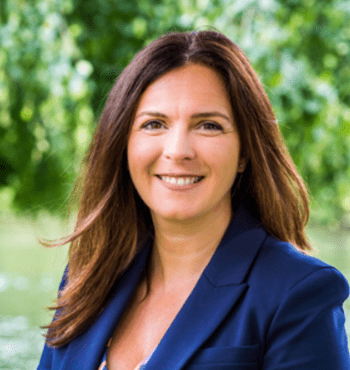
(180, 180)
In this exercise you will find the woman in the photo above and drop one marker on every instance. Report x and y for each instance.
(182, 255)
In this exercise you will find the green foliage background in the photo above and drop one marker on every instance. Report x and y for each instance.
(59, 59)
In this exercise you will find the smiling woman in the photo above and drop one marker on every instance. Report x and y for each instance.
(189, 250)
(184, 147)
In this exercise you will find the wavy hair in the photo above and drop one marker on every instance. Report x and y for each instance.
(113, 221)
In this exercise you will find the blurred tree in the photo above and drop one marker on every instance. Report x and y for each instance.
(59, 58)
(45, 101)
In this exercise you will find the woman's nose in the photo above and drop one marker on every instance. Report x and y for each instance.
(178, 145)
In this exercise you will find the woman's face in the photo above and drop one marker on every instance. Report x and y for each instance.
(183, 150)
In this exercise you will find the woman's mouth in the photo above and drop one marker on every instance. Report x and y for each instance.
(181, 180)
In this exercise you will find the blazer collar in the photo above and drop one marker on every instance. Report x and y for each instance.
(213, 297)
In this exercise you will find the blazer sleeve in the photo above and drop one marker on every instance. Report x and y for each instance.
(47, 354)
(307, 331)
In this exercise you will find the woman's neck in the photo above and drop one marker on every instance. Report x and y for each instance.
(181, 251)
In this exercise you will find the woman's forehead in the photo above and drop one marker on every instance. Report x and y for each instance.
(194, 86)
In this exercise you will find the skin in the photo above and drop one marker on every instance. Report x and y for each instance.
(171, 135)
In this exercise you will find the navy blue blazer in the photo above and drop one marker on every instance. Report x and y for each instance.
(259, 304)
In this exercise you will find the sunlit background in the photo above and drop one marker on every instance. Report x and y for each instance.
(58, 61)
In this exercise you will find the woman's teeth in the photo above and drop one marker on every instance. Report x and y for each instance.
(182, 181)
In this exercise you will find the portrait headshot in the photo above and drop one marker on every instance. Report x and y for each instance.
(174, 185)
(189, 249)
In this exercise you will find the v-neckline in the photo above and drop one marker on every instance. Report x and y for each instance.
(138, 367)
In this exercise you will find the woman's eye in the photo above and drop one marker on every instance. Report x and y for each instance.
(152, 125)
(211, 126)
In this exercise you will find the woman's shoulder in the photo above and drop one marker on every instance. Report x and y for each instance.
(282, 263)
(284, 281)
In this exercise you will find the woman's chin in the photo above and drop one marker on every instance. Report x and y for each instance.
(175, 216)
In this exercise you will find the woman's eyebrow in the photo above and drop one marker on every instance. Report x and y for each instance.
(153, 114)
(211, 114)
(195, 115)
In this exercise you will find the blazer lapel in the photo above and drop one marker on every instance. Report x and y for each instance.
(86, 351)
(217, 291)
(214, 296)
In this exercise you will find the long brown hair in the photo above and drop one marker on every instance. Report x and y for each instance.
(113, 221)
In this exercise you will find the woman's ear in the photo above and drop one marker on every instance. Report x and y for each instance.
(242, 164)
